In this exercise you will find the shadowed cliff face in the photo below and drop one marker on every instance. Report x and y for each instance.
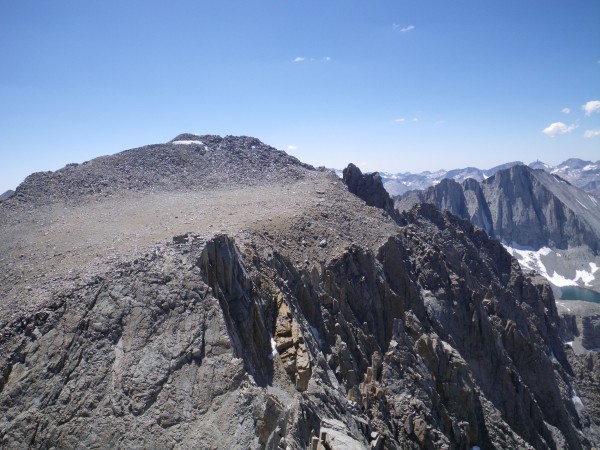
(369, 188)
(536, 209)
(519, 205)
(528, 210)
(418, 334)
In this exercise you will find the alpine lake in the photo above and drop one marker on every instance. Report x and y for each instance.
(579, 293)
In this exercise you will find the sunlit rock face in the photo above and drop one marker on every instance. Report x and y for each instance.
(268, 308)
(546, 223)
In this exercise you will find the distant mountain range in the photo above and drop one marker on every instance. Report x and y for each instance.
(583, 174)
(548, 224)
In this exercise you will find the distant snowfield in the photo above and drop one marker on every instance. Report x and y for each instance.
(187, 142)
(532, 260)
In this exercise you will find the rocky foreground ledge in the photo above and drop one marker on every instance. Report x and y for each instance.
(282, 314)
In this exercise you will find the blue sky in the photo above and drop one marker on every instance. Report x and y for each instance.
(390, 85)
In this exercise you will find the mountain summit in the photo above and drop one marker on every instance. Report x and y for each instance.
(185, 163)
(224, 295)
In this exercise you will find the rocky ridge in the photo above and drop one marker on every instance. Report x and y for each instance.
(528, 210)
(186, 162)
(283, 314)
(583, 174)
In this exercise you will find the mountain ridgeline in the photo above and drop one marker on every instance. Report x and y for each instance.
(524, 208)
(583, 174)
(519, 205)
(216, 293)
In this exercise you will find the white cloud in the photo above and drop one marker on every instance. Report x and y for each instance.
(402, 29)
(299, 59)
(591, 107)
(558, 128)
(403, 120)
(591, 133)
(566, 110)
(292, 147)
(363, 164)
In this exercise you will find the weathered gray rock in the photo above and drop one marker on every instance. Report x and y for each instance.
(526, 209)
(519, 205)
(422, 333)
(201, 162)
(583, 174)
(369, 187)
(580, 325)
(6, 195)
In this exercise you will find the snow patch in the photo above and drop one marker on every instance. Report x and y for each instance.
(590, 167)
(563, 305)
(581, 204)
(187, 143)
(575, 399)
(545, 251)
(585, 276)
(593, 200)
(558, 280)
(274, 351)
(447, 347)
(531, 259)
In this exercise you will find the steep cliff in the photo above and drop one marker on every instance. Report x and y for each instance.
(530, 211)
(286, 314)
(583, 174)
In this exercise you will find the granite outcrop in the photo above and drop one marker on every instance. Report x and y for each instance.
(405, 331)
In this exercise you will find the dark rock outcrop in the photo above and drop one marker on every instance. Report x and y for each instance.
(417, 334)
(428, 354)
(369, 187)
